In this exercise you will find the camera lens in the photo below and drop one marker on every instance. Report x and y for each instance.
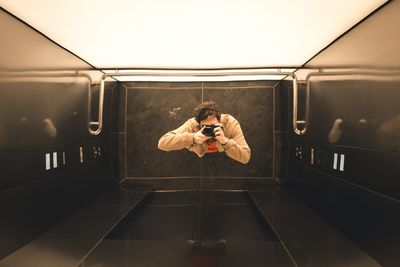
(209, 130)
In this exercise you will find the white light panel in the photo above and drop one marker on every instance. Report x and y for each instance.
(201, 75)
(341, 162)
(47, 160)
(192, 34)
(335, 160)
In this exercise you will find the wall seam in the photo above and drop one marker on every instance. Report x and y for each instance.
(273, 131)
(126, 130)
(196, 177)
(196, 88)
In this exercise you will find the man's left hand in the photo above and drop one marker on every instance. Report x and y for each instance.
(219, 134)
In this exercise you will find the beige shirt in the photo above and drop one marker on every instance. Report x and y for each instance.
(182, 137)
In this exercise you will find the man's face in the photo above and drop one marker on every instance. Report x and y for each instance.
(210, 120)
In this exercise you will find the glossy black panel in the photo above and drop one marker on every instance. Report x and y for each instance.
(310, 240)
(369, 219)
(360, 166)
(43, 116)
(381, 174)
(362, 113)
(35, 113)
(46, 116)
(13, 175)
(356, 118)
(87, 227)
(32, 209)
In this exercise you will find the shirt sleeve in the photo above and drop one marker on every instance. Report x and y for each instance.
(177, 139)
(236, 147)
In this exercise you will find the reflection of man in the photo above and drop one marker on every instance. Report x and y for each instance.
(209, 131)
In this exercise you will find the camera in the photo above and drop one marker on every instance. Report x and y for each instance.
(209, 130)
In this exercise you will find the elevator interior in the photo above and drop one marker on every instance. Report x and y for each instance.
(82, 182)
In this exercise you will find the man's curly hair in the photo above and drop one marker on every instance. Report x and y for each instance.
(205, 110)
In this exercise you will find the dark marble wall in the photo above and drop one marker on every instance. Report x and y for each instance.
(151, 112)
(252, 105)
(156, 108)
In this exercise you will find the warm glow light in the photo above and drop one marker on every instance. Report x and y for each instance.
(200, 75)
(199, 79)
(192, 34)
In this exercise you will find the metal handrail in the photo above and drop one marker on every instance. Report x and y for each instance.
(296, 121)
(99, 122)
(376, 72)
(213, 73)
(28, 74)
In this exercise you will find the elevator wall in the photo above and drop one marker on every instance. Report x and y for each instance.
(154, 108)
(346, 167)
(43, 117)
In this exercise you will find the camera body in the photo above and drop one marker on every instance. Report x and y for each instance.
(209, 130)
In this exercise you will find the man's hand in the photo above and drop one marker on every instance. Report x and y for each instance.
(219, 134)
(199, 138)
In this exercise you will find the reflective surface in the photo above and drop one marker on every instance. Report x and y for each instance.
(43, 125)
(356, 111)
(353, 181)
(154, 108)
(191, 229)
(66, 243)
(175, 254)
(310, 240)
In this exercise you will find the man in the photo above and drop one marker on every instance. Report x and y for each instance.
(208, 132)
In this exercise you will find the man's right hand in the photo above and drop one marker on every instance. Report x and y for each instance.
(199, 138)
